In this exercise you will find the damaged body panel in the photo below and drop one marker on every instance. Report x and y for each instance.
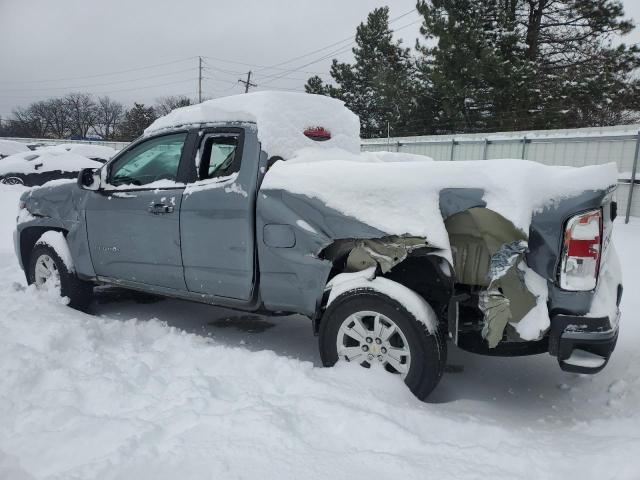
(486, 249)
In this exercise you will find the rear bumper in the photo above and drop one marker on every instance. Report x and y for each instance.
(583, 344)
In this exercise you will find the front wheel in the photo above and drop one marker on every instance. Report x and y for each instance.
(370, 328)
(12, 181)
(47, 271)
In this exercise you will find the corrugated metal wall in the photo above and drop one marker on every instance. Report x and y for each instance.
(574, 147)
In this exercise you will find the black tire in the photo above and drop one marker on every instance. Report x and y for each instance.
(428, 351)
(13, 180)
(79, 292)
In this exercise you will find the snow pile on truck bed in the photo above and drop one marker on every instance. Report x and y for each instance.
(281, 119)
(403, 197)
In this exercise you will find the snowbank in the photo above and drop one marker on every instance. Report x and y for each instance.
(403, 197)
(281, 119)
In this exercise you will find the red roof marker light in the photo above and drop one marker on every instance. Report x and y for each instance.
(319, 134)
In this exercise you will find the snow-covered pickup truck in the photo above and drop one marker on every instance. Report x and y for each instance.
(263, 202)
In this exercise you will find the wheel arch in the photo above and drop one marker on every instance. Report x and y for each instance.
(421, 270)
(30, 235)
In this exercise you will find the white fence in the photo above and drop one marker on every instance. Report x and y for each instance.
(576, 147)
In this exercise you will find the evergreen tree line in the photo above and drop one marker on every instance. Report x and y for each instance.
(81, 115)
(491, 65)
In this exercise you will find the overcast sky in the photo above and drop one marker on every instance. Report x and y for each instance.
(138, 50)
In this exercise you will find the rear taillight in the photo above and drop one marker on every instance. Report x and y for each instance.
(581, 251)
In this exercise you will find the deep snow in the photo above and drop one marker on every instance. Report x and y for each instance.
(167, 389)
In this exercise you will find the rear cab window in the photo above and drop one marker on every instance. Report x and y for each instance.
(219, 156)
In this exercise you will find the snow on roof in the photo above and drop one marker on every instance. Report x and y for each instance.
(402, 197)
(9, 147)
(281, 119)
(26, 162)
(86, 150)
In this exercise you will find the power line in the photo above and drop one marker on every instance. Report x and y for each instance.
(146, 67)
(145, 86)
(347, 39)
(337, 52)
(255, 65)
(97, 84)
(114, 91)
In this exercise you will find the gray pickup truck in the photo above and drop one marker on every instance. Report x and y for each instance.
(187, 211)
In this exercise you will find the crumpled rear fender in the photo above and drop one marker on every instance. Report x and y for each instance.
(291, 230)
(302, 243)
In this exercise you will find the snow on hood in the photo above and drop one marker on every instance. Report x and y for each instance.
(9, 147)
(281, 119)
(46, 162)
(402, 197)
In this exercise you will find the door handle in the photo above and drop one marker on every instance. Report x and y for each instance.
(160, 208)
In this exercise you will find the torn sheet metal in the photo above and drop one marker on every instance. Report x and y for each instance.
(507, 299)
(386, 252)
(487, 249)
(497, 313)
(504, 259)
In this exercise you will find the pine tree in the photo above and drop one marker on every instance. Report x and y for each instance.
(135, 121)
(378, 86)
(520, 64)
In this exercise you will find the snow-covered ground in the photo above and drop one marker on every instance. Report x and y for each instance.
(164, 389)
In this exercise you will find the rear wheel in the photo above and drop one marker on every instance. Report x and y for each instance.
(369, 328)
(47, 271)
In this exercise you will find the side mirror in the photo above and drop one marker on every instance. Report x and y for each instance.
(89, 179)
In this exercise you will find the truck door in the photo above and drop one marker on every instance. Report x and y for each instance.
(217, 217)
(133, 222)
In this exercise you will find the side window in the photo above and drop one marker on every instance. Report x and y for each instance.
(219, 157)
(153, 160)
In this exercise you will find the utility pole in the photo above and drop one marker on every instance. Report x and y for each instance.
(247, 83)
(199, 79)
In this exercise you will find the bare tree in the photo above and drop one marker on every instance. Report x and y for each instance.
(82, 112)
(28, 122)
(56, 112)
(108, 115)
(165, 104)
